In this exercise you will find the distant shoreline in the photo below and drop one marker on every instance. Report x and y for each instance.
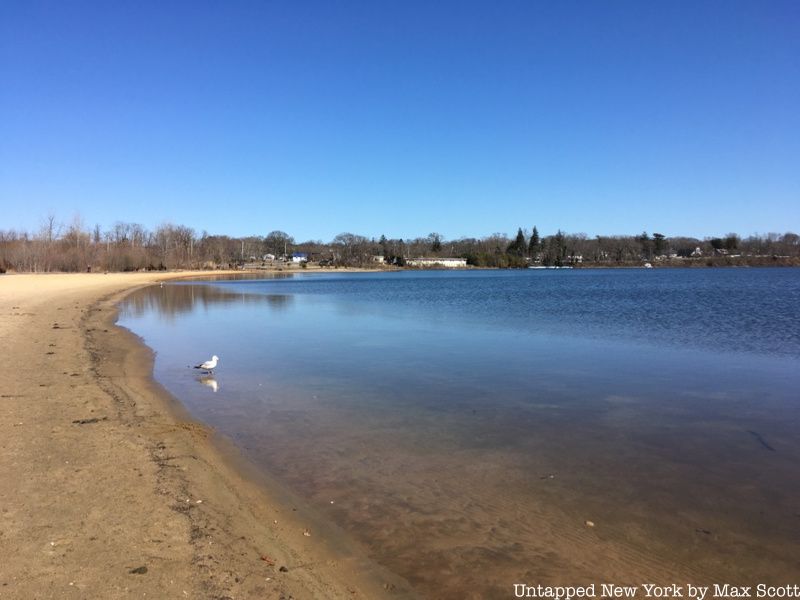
(684, 263)
(681, 263)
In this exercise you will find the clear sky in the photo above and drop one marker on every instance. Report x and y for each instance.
(402, 117)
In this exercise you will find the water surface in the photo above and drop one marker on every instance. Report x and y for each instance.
(465, 426)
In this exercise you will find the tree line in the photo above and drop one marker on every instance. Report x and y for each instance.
(74, 247)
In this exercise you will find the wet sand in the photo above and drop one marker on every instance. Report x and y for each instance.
(109, 490)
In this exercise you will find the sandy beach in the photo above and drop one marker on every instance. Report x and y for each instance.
(109, 490)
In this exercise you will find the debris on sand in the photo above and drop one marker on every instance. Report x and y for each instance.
(89, 421)
(138, 570)
(760, 439)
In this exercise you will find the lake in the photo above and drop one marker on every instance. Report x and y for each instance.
(476, 429)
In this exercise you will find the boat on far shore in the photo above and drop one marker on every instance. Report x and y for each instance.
(544, 267)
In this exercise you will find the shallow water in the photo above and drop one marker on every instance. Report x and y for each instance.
(466, 425)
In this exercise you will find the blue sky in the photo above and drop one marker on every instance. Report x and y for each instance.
(403, 118)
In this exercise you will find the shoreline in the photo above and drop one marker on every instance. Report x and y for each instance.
(117, 490)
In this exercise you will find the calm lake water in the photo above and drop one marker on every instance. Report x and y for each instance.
(468, 425)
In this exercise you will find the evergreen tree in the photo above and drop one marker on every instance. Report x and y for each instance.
(732, 241)
(560, 243)
(659, 244)
(535, 243)
(517, 247)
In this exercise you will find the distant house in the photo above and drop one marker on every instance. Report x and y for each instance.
(299, 257)
(378, 259)
(697, 252)
(448, 263)
(269, 257)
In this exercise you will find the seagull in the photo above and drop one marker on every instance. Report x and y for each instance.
(209, 365)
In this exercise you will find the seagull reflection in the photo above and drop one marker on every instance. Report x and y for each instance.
(209, 381)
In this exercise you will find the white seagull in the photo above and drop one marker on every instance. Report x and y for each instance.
(209, 365)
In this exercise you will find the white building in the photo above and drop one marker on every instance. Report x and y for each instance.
(448, 263)
(299, 257)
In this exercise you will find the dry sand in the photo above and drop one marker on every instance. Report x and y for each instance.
(108, 490)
